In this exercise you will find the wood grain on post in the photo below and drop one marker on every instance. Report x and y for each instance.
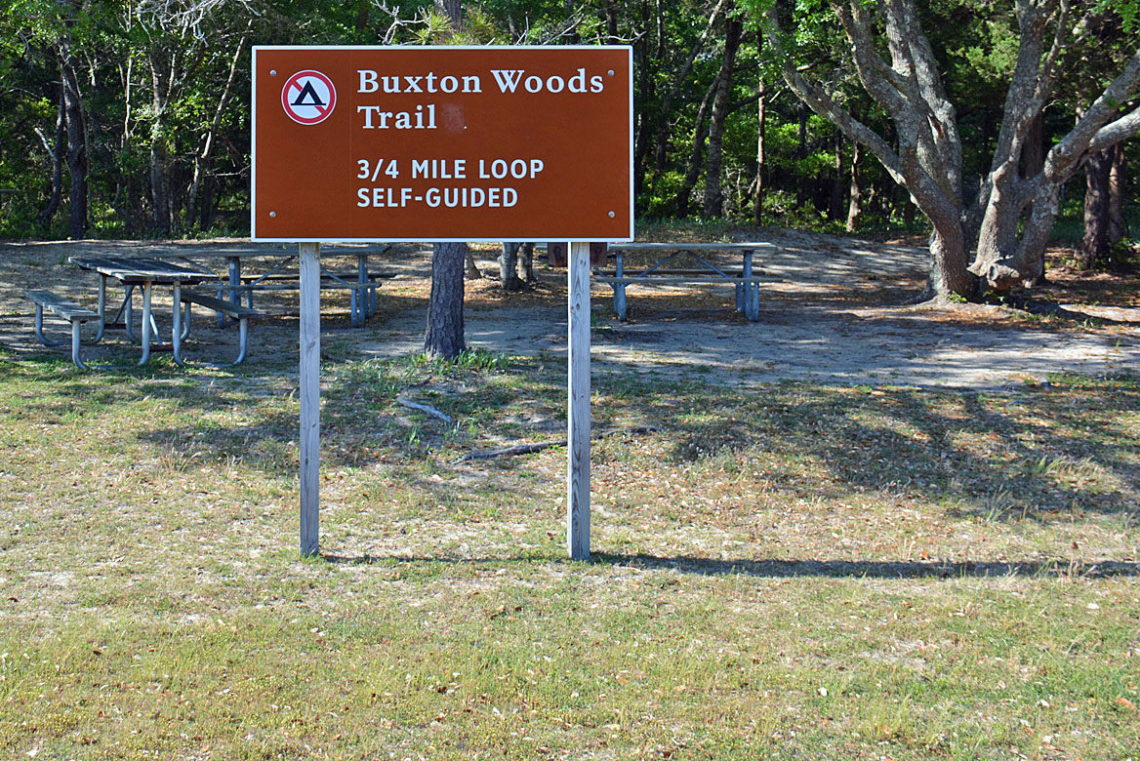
(578, 405)
(310, 371)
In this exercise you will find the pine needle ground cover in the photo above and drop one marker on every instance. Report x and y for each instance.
(793, 571)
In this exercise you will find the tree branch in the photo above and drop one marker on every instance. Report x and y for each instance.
(1063, 160)
(1114, 132)
(518, 449)
(825, 106)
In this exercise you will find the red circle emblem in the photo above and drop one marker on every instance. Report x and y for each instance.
(308, 97)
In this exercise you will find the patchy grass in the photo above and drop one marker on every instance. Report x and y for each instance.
(796, 571)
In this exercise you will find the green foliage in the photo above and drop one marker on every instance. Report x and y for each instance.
(1127, 10)
(660, 196)
(118, 43)
(994, 56)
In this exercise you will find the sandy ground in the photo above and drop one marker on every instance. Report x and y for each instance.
(834, 310)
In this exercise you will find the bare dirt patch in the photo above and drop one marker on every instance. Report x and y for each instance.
(835, 310)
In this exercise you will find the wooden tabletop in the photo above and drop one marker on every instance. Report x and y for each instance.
(137, 270)
(278, 251)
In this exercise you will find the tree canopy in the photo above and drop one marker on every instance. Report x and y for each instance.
(963, 118)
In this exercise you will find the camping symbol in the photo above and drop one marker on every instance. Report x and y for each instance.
(308, 97)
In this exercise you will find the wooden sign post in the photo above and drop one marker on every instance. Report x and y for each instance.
(578, 403)
(451, 143)
(310, 371)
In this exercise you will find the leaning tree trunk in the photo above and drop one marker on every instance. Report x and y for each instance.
(714, 158)
(679, 79)
(696, 155)
(55, 150)
(197, 214)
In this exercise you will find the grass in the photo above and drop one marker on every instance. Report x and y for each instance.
(793, 572)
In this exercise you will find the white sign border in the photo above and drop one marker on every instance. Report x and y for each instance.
(435, 239)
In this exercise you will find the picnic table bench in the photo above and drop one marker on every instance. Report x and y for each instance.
(68, 310)
(221, 307)
(703, 272)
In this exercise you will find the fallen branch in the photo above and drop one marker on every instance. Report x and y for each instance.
(509, 451)
(518, 449)
(425, 408)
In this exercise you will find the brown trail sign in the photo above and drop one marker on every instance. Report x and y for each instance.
(436, 144)
(450, 143)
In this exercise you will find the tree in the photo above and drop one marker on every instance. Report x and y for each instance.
(997, 233)
(714, 161)
(443, 338)
(1103, 209)
(512, 255)
(56, 26)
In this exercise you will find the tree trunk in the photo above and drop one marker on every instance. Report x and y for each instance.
(948, 274)
(685, 194)
(714, 159)
(76, 127)
(1032, 162)
(758, 187)
(679, 79)
(1095, 250)
(1117, 181)
(854, 191)
(159, 195)
(470, 268)
(804, 183)
(526, 253)
(508, 263)
(204, 158)
(835, 203)
(644, 66)
(55, 150)
(443, 338)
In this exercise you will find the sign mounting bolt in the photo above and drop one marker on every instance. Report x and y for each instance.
(273, 214)
(612, 215)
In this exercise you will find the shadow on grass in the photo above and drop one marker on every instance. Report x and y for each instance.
(1027, 454)
(1032, 453)
(777, 569)
(893, 569)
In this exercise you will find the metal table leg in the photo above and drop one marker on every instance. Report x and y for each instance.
(176, 329)
(751, 290)
(102, 309)
(148, 289)
(619, 287)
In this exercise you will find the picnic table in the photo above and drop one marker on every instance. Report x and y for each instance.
(702, 269)
(281, 274)
(144, 272)
(176, 270)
